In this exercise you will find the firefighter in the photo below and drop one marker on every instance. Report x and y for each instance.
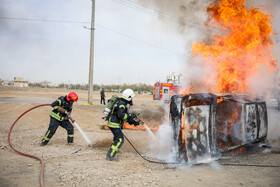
(115, 121)
(58, 117)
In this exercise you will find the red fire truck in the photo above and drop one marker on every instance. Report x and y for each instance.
(163, 91)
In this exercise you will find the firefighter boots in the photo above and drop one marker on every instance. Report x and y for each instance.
(43, 144)
(112, 159)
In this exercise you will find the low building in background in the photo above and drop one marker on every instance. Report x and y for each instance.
(47, 84)
(20, 82)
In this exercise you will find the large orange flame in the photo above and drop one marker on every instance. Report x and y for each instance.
(236, 55)
(233, 58)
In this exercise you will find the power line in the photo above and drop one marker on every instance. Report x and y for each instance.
(145, 9)
(99, 25)
(44, 20)
(127, 3)
(142, 41)
(149, 11)
(158, 13)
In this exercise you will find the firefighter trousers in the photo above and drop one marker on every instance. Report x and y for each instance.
(117, 142)
(53, 127)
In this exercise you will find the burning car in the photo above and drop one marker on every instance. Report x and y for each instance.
(207, 124)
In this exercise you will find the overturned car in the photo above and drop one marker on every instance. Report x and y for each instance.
(205, 125)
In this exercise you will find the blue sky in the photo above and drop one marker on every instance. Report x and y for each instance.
(133, 44)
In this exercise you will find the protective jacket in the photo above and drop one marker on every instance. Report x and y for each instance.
(62, 102)
(119, 114)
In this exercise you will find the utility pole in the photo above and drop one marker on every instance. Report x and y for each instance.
(91, 55)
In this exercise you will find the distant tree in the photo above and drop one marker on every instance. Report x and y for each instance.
(31, 85)
(62, 85)
(78, 86)
(120, 88)
(96, 87)
(108, 88)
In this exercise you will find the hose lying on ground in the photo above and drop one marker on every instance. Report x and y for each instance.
(25, 154)
(43, 165)
(163, 162)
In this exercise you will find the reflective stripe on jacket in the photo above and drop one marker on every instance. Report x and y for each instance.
(118, 114)
(62, 102)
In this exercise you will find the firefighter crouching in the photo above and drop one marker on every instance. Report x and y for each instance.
(58, 117)
(117, 116)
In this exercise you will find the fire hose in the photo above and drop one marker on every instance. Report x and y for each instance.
(162, 162)
(156, 162)
(141, 122)
(38, 158)
(42, 161)
(25, 154)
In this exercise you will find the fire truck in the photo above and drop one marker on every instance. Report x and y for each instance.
(164, 91)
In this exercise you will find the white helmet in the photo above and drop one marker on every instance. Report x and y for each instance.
(128, 94)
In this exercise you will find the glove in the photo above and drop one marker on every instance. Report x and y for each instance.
(66, 117)
(135, 123)
(61, 110)
(131, 116)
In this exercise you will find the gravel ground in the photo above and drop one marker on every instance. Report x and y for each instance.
(82, 165)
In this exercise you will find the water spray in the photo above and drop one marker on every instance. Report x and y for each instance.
(36, 157)
(182, 162)
(89, 142)
(194, 163)
(146, 126)
(149, 130)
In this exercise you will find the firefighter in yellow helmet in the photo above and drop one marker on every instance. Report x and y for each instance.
(58, 117)
(116, 118)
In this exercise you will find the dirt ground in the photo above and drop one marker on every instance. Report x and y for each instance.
(82, 165)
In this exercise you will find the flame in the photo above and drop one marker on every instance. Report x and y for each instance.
(228, 117)
(140, 127)
(182, 130)
(232, 120)
(237, 150)
(185, 92)
(219, 100)
(236, 55)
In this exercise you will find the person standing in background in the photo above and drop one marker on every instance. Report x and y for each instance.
(102, 94)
